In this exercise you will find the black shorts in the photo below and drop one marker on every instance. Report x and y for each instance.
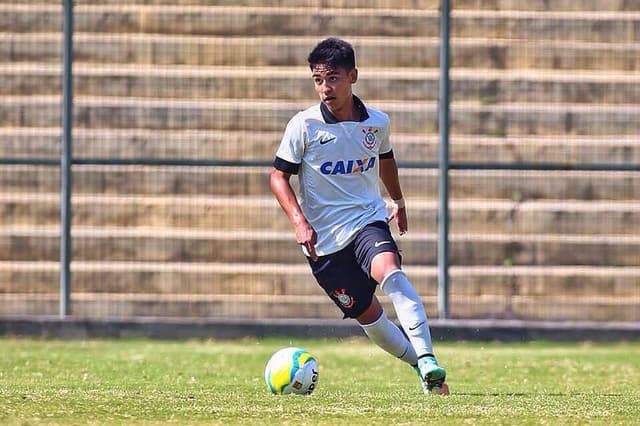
(345, 275)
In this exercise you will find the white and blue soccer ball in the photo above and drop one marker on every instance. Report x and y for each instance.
(291, 371)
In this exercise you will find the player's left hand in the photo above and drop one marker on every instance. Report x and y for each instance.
(403, 223)
(399, 214)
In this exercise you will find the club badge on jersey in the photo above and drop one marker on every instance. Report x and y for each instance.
(370, 139)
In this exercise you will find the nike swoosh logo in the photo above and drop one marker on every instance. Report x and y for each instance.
(379, 243)
(323, 141)
(413, 328)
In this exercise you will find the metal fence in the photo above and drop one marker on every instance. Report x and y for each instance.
(178, 109)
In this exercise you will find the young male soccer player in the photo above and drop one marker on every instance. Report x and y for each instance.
(340, 149)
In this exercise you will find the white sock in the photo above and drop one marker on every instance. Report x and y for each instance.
(389, 337)
(409, 309)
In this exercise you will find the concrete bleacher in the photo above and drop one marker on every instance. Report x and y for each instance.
(541, 82)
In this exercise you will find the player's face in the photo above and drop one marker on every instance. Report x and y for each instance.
(333, 85)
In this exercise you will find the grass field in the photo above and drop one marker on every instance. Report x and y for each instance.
(221, 382)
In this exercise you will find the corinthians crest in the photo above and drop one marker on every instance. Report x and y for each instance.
(370, 137)
(344, 299)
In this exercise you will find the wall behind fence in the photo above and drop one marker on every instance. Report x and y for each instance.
(179, 107)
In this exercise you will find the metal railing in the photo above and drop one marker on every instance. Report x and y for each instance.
(444, 165)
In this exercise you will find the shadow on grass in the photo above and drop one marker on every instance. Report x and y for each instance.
(529, 394)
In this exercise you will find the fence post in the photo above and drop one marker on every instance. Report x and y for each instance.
(65, 163)
(443, 185)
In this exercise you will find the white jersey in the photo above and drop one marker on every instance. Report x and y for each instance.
(338, 171)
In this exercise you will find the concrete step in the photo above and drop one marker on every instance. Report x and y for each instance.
(148, 244)
(304, 21)
(258, 213)
(44, 142)
(494, 5)
(420, 52)
(244, 181)
(314, 4)
(504, 119)
(558, 308)
(295, 279)
(294, 83)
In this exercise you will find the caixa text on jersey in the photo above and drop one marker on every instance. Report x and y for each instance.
(343, 167)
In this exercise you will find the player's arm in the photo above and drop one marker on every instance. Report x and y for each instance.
(391, 181)
(281, 188)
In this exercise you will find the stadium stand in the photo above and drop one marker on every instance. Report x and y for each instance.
(532, 82)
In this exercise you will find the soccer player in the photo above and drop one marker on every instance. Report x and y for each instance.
(340, 150)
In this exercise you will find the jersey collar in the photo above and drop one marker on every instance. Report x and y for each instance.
(330, 119)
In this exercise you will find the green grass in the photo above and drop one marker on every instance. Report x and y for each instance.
(221, 382)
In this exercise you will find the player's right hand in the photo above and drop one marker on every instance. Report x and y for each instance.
(306, 236)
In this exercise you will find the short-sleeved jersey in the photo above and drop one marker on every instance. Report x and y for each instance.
(338, 170)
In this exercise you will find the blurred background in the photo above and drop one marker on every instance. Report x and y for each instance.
(179, 107)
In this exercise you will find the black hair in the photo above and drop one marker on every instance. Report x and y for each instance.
(334, 52)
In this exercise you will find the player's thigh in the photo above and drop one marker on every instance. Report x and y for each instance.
(376, 250)
(344, 281)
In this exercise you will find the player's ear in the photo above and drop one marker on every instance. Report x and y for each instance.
(353, 75)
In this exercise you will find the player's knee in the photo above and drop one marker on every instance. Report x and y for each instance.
(390, 279)
(383, 264)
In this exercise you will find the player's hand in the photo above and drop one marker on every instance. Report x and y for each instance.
(399, 213)
(403, 222)
(306, 236)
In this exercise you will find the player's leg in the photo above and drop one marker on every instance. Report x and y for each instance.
(412, 316)
(384, 333)
(378, 253)
(351, 289)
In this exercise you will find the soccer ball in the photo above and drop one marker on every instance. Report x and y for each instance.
(291, 371)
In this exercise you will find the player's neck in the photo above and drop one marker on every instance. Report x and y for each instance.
(348, 112)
